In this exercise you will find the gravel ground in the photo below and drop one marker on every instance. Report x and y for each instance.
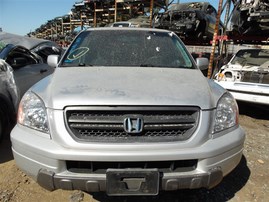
(248, 182)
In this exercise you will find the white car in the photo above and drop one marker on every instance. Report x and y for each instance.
(246, 76)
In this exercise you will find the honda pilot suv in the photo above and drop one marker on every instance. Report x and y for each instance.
(127, 112)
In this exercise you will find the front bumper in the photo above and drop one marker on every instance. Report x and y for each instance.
(248, 92)
(180, 27)
(44, 160)
(95, 183)
(262, 16)
(183, 28)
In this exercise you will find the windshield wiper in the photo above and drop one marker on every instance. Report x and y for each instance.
(148, 65)
(84, 65)
(151, 65)
(73, 65)
(66, 65)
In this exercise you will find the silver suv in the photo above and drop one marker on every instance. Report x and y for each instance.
(128, 112)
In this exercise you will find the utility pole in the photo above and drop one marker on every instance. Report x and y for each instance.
(115, 12)
(212, 55)
(94, 17)
(226, 19)
(151, 12)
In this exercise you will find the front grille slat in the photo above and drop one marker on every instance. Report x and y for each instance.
(84, 119)
(96, 126)
(101, 167)
(168, 126)
(170, 120)
(103, 124)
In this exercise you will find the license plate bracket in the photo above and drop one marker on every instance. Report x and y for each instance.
(124, 182)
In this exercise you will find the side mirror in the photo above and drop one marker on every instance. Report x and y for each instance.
(202, 63)
(53, 60)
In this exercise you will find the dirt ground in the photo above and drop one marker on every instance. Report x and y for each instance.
(248, 182)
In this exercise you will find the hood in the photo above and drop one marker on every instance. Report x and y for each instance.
(24, 41)
(121, 86)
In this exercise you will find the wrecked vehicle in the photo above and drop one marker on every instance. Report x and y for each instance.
(251, 17)
(123, 24)
(190, 20)
(9, 98)
(130, 120)
(28, 57)
(139, 21)
(246, 76)
(41, 47)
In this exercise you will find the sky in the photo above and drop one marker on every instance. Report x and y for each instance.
(23, 16)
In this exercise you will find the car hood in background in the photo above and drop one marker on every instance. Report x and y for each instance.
(27, 42)
(39, 46)
(121, 86)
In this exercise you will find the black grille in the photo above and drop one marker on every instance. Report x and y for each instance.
(101, 167)
(106, 124)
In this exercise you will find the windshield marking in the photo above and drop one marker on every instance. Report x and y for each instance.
(77, 53)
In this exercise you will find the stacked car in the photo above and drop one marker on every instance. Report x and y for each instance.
(195, 20)
(251, 17)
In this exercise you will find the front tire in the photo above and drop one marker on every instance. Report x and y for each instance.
(3, 124)
(6, 122)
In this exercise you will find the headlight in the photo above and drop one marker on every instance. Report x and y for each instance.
(226, 113)
(32, 113)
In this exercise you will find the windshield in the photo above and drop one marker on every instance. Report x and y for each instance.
(251, 57)
(125, 47)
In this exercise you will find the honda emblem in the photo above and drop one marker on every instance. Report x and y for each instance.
(133, 125)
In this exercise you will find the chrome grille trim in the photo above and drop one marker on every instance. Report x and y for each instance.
(105, 124)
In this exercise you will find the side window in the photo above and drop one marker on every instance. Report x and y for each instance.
(212, 11)
(17, 59)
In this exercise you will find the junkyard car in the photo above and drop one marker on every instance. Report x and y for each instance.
(246, 76)
(251, 17)
(128, 112)
(190, 20)
(139, 21)
(27, 57)
(9, 98)
(123, 24)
